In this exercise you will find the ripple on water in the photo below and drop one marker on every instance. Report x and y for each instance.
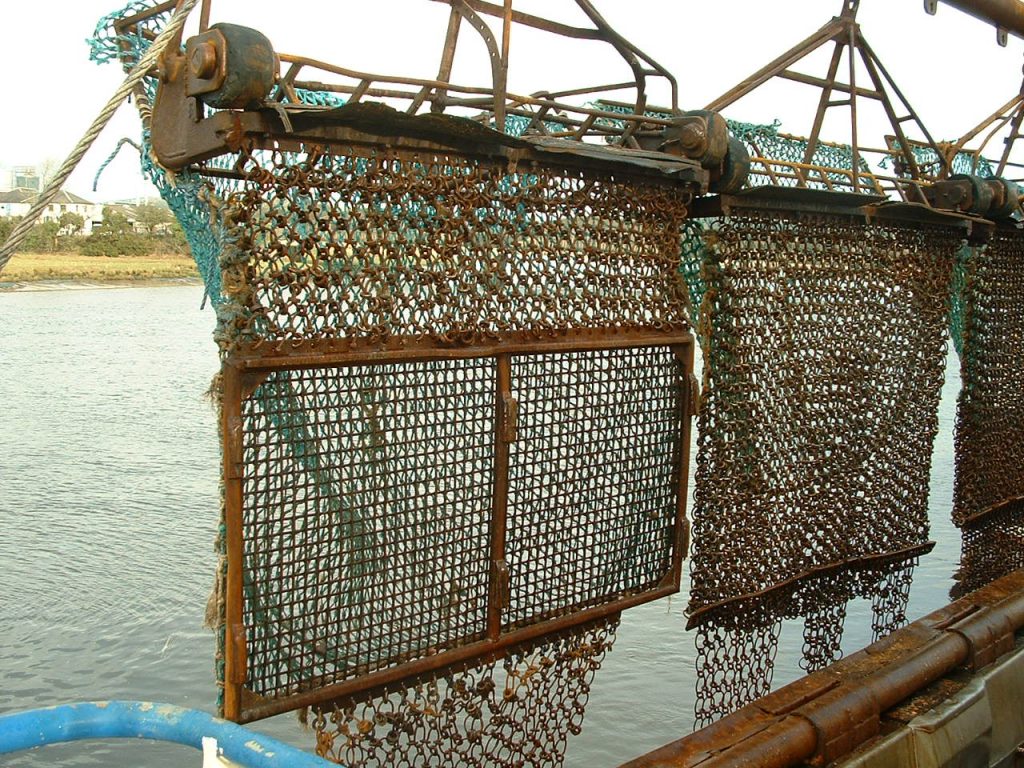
(109, 468)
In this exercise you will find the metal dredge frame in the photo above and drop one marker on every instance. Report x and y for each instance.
(844, 32)
(294, 322)
(185, 132)
(241, 377)
(288, 313)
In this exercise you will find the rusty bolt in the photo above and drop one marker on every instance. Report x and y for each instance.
(204, 60)
(692, 136)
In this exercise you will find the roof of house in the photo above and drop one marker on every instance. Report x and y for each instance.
(22, 195)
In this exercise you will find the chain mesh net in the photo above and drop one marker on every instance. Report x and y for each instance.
(519, 711)
(368, 489)
(988, 493)
(824, 343)
(360, 250)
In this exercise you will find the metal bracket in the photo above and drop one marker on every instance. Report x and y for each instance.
(502, 593)
(509, 428)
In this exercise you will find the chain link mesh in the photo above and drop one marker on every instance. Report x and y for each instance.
(367, 498)
(988, 492)
(519, 711)
(824, 344)
(607, 426)
(365, 250)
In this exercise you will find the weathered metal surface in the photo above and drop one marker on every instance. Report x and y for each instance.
(1006, 15)
(456, 410)
(988, 491)
(816, 430)
(824, 716)
(230, 67)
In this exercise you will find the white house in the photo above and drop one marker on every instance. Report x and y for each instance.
(18, 201)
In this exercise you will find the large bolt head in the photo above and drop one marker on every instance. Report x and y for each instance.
(203, 63)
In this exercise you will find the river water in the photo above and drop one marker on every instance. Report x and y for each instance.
(108, 509)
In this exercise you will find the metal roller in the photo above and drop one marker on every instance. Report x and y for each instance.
(230, 66)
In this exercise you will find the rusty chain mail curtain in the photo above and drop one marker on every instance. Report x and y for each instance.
(988, 328)
(823, 341)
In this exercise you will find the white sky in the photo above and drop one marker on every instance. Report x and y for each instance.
(948, 66)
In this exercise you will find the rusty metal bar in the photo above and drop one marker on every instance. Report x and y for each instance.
(689, 409)
(800, 77)
(1006, 15)
(854, 38)
(234, 631)
(829, 713)
(472, 651)
(498, 591)
(338, 352)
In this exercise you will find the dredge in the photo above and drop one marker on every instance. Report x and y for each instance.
(457, 327)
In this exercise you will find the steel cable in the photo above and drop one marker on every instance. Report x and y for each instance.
(166, 36)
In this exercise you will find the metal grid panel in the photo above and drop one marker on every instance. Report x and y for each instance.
(367, 497)
(593, 477)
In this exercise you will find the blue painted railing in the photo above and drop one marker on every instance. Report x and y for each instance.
(146, 720)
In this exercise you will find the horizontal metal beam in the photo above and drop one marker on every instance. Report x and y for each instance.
(1004, 14)
(821, 717)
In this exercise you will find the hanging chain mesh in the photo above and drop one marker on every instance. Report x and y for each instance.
(361, 250)
(988, 495)
(369, 489)
(823, 342)
(518, 711)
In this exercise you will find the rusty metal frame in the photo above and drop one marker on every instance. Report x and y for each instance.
(182, 133)
(845, 34)
(241, 375)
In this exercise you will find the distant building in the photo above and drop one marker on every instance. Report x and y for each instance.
(26, 177)
(17, 202)
(20, 177)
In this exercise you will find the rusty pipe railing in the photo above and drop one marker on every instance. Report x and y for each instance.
(1006, 15)
(826, 715)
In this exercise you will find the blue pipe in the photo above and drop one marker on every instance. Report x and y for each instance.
(147, 720)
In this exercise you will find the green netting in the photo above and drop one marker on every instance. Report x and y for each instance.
(958, 299)
(765, 141)
(928, 161)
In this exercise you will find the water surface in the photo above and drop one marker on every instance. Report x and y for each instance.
(108, 511)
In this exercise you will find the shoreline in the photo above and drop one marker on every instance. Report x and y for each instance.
(68, 270)
(87, 284)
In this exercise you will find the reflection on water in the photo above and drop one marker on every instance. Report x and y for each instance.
(109, 466)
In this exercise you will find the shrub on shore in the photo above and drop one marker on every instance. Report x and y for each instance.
(115, 236)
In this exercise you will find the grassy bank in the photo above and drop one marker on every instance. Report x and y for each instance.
(33, 267)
